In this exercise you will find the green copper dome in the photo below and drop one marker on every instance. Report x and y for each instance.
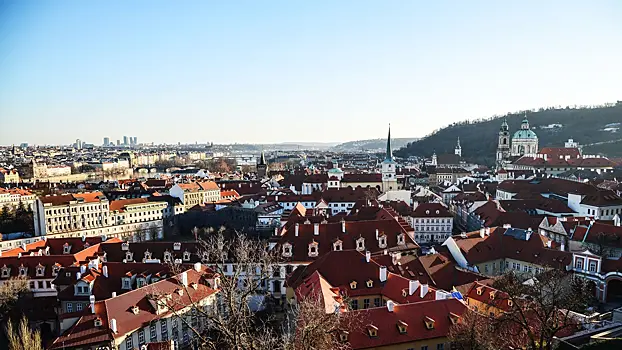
(524, 134)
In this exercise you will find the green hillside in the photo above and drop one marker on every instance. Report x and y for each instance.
(479, 138)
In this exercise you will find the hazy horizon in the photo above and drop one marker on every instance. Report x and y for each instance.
(287, 72)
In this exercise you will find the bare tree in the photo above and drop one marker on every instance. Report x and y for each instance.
(11, 291)
(534, 312)
(604, 244)
(21, 337)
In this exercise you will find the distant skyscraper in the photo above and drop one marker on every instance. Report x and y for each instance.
(118, 142)
(106, 141)
(135, 140)
(125, 140)
(78, 144)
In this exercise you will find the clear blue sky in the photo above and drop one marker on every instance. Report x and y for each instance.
(272, 71)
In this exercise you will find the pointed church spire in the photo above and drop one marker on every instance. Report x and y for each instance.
(262, 159)
(389, 150)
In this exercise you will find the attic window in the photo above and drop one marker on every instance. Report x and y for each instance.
(98, 322)
(125, 246)
(404, 293)
(402, 327)
(370, 283)
(382, 242)
(313, 249)
(343, 336)
(129, 256)
(492, 295)
(194, 285)
(287, 250)
(338, 246)
(40, 270)
(510, 303)
(167, 257)
(135, 310)
(147, 254)
(360, 244)
(453, 317)
(23, 270)
(372, 331)
(177, 246)
(186, 256)
(55, 270)
(5, 271)
(429, 323)
(427, 212)
(353, 285)
(66, 249)
(180, 291)
(438, 212)
(479, 291)
(205, 257)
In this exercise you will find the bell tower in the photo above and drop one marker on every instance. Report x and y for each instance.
(389, 181)
(503, 147)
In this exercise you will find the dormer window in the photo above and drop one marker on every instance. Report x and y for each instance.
(343, 336)
(400, 239)
(402, 327)
(287, 250)
(372, 331)
(81, 288)
(177, 246)
(510, 303)
(129, 256)
(492, 295)
(6, 271)
(353, 285)
(125, 246)
(55, 270)
(140, 282)
(429, 322)
(404, 293)
(40, 270)
(186, 256)
(205, 257)
(127, 283)
(338, 245)
(135, 310)
(453, 318)
(382, 241)
(479, 291)
(66, 248)
(370, 283)
(147, 254)
(168, 257)
(180, 291)
(313, 249)
(98, 322)
(23, 270)
(360, 244)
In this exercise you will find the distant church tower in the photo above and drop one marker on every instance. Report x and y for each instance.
(503, 148)
(458, 150)
(262, 167)
(389, 181)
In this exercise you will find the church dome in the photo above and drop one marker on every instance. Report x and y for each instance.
(335, 171)
(524, 134)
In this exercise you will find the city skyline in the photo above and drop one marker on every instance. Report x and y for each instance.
(290, 72)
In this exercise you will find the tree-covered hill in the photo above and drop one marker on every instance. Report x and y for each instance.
(586, 125)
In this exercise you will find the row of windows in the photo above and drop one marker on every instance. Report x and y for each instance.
(604, 212)
(433, 221)
(75, 209)
(366, 303)
(433, 228)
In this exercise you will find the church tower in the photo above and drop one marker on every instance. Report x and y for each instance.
(503, 147)
(389, 181)
(458, 150)
(262, 167)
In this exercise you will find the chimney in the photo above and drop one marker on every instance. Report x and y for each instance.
(563, 246)
(412, 286)
(423, 290)
(197, 267)
(383, 273)
(24, 246)
(92, 300)
(113, 325)
(376, 233)
(114, 294)
(482, 232)
(184, 278)
(105, 271)
(548, 244)
(296, 229)
(487, 231)
(78, 275)
(367, 256)
(276, 231)
(343, 226)
(390, 305)
(82, 269)
(528, 234)
(316, 229)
